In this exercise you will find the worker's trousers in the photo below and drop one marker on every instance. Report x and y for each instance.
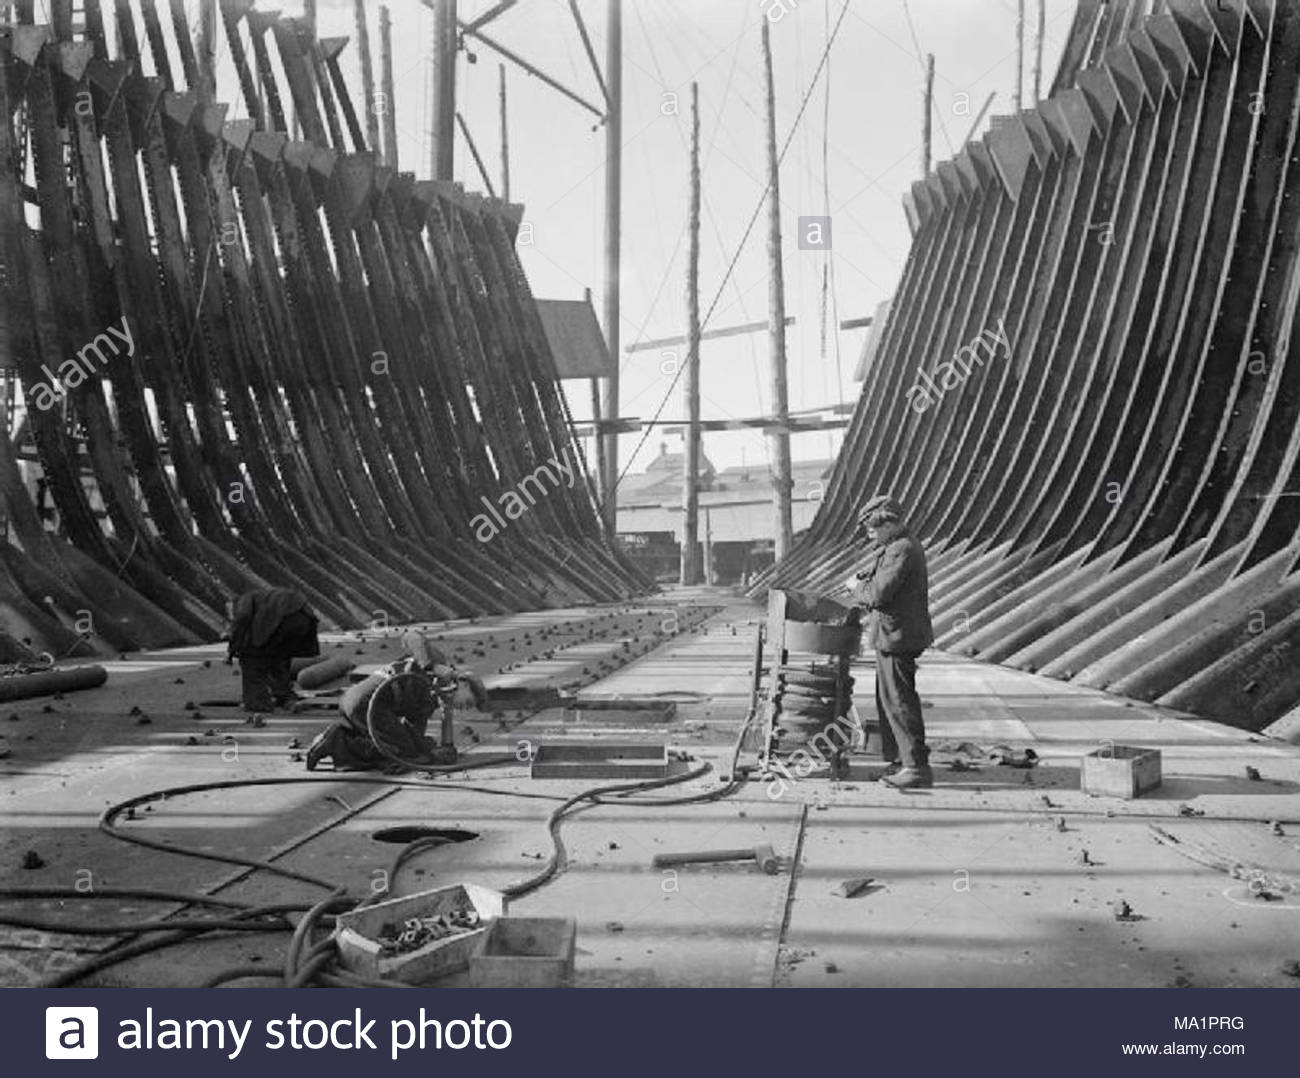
(902, 727)
(266, 681)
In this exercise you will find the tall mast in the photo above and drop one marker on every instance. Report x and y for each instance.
(613, 247)
(443, 142)
(690, 565)
(780, 435)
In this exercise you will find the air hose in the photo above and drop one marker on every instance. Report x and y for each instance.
(308, 961)
(255, 918)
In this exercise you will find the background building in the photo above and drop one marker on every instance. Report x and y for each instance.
(735, 515)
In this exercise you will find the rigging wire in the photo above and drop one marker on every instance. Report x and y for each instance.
(707, 203)
(830, 297)
(761, 442)
(672, 260)
(803, 105)
(627, 358)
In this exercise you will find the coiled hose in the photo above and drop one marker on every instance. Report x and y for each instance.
(309, 961)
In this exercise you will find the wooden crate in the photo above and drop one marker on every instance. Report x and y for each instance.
(526, 952)
(1120, 771)
(600, 761)
(357, 934)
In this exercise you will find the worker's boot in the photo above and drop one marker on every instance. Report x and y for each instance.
(892, 767)
(910, 778)
(322, 746)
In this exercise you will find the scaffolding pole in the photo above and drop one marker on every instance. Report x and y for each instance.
(367, 76)
(613, 246)
(505, 135)
(390, 94)
(780, 438)
(443, 135)
(690, 565)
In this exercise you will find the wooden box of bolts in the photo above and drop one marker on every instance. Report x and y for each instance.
(526, 952)
(1120, 771)
(420, 937)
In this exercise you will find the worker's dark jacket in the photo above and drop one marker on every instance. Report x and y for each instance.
(273, 623)
(897, 587)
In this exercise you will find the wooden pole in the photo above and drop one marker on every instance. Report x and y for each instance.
(708, 547)
(654, 344)
(207, 58)
(390, 94)
(473, 152)
(92, 14)
(690, 566)
(1018, 97)
(244, 73)
(444, 90)
(505, 141)
(926, 121)
(979, 116)
(597, 439)
(613, 245)
(780, 439)
(367, 76)
(60, 15)
(1038, 51)
(591, 53)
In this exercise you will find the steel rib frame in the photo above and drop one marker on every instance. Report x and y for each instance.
(220, 394)
(1138, 374)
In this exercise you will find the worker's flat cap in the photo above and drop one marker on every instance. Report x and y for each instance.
(881, 507)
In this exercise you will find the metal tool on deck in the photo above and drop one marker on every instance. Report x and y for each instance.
(445, 752)
(763, 856)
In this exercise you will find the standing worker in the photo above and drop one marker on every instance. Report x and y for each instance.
(895, 587)
(270, 628)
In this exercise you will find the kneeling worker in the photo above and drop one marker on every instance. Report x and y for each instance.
(396, 704)
(894, 586)
(269, 629)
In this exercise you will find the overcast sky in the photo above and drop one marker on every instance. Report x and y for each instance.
(872, 154)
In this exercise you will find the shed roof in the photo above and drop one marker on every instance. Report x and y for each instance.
(575, 338)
